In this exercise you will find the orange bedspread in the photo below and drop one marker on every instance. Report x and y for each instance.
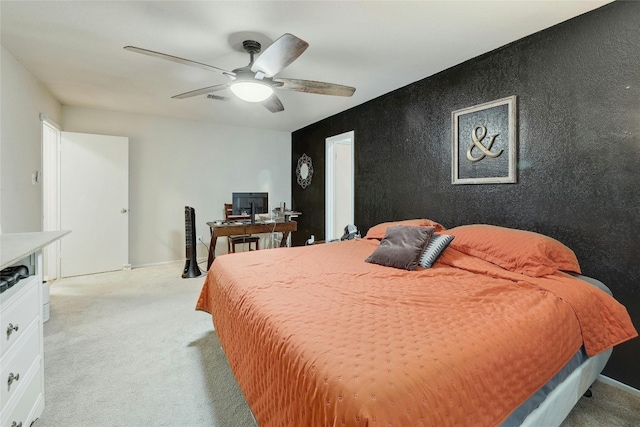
(317, 337)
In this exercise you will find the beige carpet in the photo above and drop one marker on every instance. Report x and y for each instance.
(127, 348)
(609, 407)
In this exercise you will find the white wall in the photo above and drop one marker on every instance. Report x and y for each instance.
(22, 99)
(176, 163)
(173, 163)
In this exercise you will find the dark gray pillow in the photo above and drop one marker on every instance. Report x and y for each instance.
(436, 245)
(402, 247)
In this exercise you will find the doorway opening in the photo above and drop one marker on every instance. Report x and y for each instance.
(85, 189)
(339, 194)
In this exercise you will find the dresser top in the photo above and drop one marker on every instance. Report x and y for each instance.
(16, 246)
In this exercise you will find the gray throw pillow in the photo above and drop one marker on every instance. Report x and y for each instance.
(401, 247)
(435, 247)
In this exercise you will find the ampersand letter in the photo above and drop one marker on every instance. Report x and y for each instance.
(477, 143)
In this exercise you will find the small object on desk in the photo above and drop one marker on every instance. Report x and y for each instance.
(289, 214)
(253, 213)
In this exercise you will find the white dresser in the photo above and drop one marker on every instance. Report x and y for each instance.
(21, 342)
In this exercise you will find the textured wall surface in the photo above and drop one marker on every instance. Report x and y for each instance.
(578, 107)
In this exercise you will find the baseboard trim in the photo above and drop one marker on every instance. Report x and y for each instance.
(200, 261)
(618, 384)
(154, 264)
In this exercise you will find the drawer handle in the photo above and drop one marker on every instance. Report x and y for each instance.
(11, 329)
(14, 424)
(12, 378)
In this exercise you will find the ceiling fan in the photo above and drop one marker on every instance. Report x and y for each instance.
(256, 82)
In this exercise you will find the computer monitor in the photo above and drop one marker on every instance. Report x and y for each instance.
(241, 203)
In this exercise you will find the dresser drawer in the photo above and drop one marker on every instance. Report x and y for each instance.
(29, 406)
(18, 362)
(18, 313)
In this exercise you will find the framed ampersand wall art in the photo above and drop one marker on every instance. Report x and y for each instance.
(484, 143)
(304, 171)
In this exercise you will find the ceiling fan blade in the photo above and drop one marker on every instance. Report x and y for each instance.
(273, 104)
(281, 53)
(310, 86)
(202, 91)
(177, 59)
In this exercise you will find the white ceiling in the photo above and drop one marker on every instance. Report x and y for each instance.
(76, 48)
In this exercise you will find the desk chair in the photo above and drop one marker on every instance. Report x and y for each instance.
(232, 241)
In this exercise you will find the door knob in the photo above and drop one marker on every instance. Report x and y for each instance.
(124, 210)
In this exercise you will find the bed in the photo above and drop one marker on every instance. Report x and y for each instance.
(500, 329)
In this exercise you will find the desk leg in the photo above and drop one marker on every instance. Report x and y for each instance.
(212, 249)
(285, 238)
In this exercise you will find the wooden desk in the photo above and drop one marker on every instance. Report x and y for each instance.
(284, 227)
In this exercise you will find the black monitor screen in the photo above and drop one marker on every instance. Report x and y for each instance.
(242, 203)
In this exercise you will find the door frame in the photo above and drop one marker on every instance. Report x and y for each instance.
(330, 143)
(50, 195)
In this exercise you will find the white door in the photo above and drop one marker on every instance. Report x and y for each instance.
(339, 174)
(94, 203)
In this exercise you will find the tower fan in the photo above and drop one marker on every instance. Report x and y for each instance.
(191, 268)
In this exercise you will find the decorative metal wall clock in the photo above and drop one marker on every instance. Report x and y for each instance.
(304, 171)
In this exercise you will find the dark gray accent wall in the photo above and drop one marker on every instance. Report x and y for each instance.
(578, 106)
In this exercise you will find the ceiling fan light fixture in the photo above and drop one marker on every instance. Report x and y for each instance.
(251, 91)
